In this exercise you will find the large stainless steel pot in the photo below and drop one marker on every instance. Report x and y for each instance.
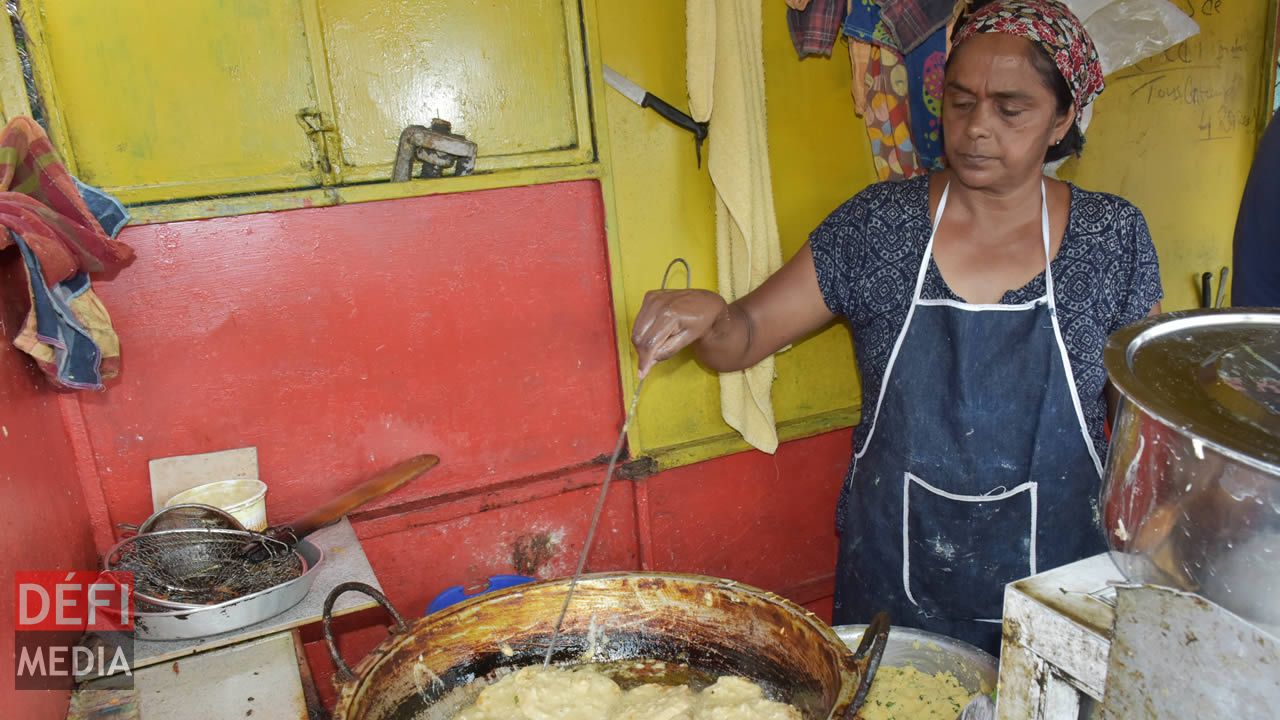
(1192, 492)
(701, 627)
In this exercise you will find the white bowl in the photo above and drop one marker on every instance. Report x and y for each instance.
(246, 500)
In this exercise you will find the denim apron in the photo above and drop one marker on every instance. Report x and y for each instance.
(978, 468)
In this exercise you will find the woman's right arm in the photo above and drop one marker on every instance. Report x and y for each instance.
(728, 337)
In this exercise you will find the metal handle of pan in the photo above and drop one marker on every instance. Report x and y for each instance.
(688, 274)
(866, 659)
(344, 673)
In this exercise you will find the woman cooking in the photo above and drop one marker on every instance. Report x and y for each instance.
(980, 298)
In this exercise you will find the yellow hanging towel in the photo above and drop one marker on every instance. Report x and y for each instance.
(725, 74)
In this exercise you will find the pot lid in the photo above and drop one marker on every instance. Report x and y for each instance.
(1212, 374)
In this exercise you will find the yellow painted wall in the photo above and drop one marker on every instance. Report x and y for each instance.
(664, 208)
(1176, 136)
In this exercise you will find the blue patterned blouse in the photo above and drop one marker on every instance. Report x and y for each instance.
(867, 254)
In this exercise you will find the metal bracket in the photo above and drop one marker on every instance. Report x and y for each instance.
(317, 130)
(438, 148)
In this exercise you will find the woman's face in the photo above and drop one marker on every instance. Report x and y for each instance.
(998, 117)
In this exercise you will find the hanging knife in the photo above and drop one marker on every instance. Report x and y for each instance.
(639, 96)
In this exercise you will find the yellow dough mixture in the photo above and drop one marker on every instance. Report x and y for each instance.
(905, 693)
(538, 693)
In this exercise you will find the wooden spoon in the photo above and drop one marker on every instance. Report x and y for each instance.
(384, 482)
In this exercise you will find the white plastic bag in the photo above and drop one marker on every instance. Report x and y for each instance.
(1130, 31)
(1084, 8)
(1127, 32)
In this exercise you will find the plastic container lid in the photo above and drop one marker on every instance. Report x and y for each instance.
(1213, 375)
(458, 593)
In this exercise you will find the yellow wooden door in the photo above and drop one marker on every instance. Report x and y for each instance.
(508, 75)
(171, 100)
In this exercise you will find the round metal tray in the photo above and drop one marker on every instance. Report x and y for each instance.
(932, 653)
(241, 612)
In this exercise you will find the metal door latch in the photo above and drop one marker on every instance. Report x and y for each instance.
(317, 130)
(438, 148)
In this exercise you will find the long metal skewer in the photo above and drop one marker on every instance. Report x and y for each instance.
(595, 520)
(604, 488)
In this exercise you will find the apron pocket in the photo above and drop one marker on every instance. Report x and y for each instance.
(959, 551)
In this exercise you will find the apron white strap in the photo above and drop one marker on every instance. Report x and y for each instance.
(1057, 331)
(902, 332)
(1048, 257)
(928, 248)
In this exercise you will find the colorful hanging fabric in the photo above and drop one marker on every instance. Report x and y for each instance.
(925, 68)
(64, 230)
(912, 22)
(864, 22)
(814, 28)
(859, 59)
(888, 119)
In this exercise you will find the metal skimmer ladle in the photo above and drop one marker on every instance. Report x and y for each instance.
(608, 477)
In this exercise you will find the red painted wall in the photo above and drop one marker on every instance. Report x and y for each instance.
(45, 524)
(340, 340)
(765, 521)
(475, 326)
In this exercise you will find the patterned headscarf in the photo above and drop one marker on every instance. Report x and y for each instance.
(1050, 25)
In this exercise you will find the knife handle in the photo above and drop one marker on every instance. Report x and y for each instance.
(675, 116)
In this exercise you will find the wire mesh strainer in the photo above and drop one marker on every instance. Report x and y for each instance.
(186, 515)
(191, 567)
(189, 515)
